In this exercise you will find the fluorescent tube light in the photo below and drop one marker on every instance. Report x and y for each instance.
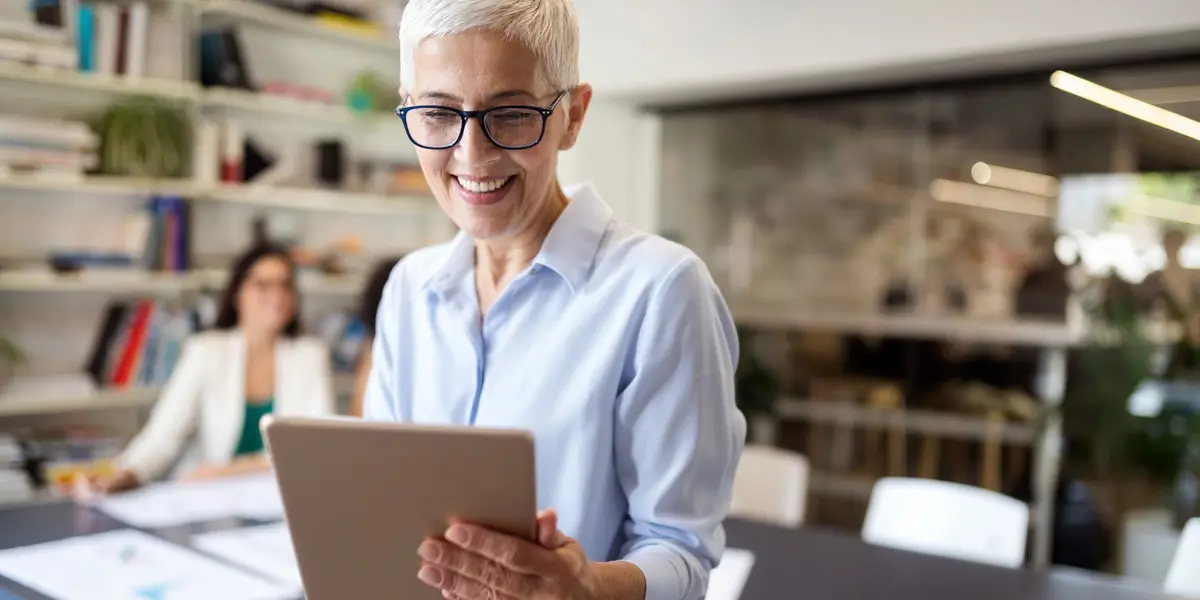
(1125, 104)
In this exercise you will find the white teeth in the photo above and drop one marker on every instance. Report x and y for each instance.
(482, 187)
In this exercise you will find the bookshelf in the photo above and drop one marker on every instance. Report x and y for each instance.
(20, 405)
(40, 404)
(109, 84)
(250, 195)
(282, 106)
(275, 18)
(150, 283)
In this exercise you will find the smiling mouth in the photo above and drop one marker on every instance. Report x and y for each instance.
(482, 192)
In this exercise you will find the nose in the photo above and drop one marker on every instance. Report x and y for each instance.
(475, 148)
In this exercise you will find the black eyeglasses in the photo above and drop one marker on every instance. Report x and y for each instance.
(510, 127)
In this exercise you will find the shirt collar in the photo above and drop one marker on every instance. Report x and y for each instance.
(569, 248)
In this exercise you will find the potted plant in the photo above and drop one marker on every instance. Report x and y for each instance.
(757, 389)
(10, 358)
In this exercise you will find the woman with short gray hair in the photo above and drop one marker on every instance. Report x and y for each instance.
(612, 346)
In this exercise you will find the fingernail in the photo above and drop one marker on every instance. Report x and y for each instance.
(429, 552)
(457, 534)
(430, 576)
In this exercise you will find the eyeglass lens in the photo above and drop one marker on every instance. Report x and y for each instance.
(508, 127)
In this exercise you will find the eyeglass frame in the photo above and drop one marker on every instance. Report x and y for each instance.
(466, 115)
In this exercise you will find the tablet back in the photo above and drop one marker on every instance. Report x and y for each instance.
(360, 496)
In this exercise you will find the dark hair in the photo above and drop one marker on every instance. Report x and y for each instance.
(227, 313)
(368, 309)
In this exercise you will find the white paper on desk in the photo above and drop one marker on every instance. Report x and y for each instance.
(265, 549)
(131, 565)
(169, 504)
(727, 580)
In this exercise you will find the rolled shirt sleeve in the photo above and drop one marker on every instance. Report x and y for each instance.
(679, 434)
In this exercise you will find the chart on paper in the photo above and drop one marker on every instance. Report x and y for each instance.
(131, 565)
(167, 505)
(265, 549)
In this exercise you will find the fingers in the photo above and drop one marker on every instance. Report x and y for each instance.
(510, 552)
(457, 585)
(547, 527)
(451, 560)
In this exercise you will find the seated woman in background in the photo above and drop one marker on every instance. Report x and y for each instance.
(252, 364)
(367, 311)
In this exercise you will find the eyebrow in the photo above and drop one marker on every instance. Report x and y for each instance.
(505, 95)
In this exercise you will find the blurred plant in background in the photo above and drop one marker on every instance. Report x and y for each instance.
(144, 137)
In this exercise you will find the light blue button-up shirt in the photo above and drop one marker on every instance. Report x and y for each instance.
(616, 350)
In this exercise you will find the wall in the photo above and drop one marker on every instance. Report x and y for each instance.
(619, 150)
(682, 50)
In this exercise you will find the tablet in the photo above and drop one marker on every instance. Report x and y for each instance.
(360, 496)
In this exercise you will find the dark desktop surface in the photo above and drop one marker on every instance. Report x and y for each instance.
(811, 563)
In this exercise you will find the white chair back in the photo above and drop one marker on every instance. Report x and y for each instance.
(1183, 578)
(770, 486)
(947, 519)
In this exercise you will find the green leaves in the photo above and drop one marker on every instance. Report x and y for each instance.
(145, 137)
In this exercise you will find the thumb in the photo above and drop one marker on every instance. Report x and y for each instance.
(548, 534)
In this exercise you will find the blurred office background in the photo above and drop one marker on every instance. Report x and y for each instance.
(956, 237)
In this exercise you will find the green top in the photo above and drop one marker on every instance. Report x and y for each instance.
(251, 441)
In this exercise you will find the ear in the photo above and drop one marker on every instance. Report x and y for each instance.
(581, 98)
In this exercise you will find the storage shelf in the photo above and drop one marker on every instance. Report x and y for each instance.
(276, 18)
(927, 422)
(159, 88)
(291, 198)
(322, 200)
(132, 282)
(950, 328)
(284, 106)
(105, 281)
(16, 405)
(13, 405)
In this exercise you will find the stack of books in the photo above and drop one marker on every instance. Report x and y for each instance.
(51, 147)
(34, 44)
(130, 38)
(15, 486)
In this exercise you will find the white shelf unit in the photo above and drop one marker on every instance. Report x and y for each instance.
(267, 16)
(37, 404)
(121, 282)
(252, 195)
(109, 84)
(17, 405)
(192, 94)
(283, 106)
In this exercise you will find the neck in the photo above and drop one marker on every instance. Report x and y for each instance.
(499, 260)
(258, 339)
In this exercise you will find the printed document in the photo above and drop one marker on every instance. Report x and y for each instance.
(169, 504)
(727, 580)
(265, 549)
(131, 565)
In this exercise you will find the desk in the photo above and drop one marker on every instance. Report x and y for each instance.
(811, 563)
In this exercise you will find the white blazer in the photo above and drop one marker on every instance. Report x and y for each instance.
(206, 397)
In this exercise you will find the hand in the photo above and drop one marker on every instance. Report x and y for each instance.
(87, 488)
(477, 563)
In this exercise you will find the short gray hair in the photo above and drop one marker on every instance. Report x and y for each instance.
(547, 27)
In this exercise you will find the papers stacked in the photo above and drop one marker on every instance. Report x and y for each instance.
(131, 565)
(727, 580)
(169, 504)
(265, 549)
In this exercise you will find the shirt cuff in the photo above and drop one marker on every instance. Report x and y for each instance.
(670, 573)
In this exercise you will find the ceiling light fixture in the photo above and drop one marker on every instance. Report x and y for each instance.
(1014, 179)
(1124, 104)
